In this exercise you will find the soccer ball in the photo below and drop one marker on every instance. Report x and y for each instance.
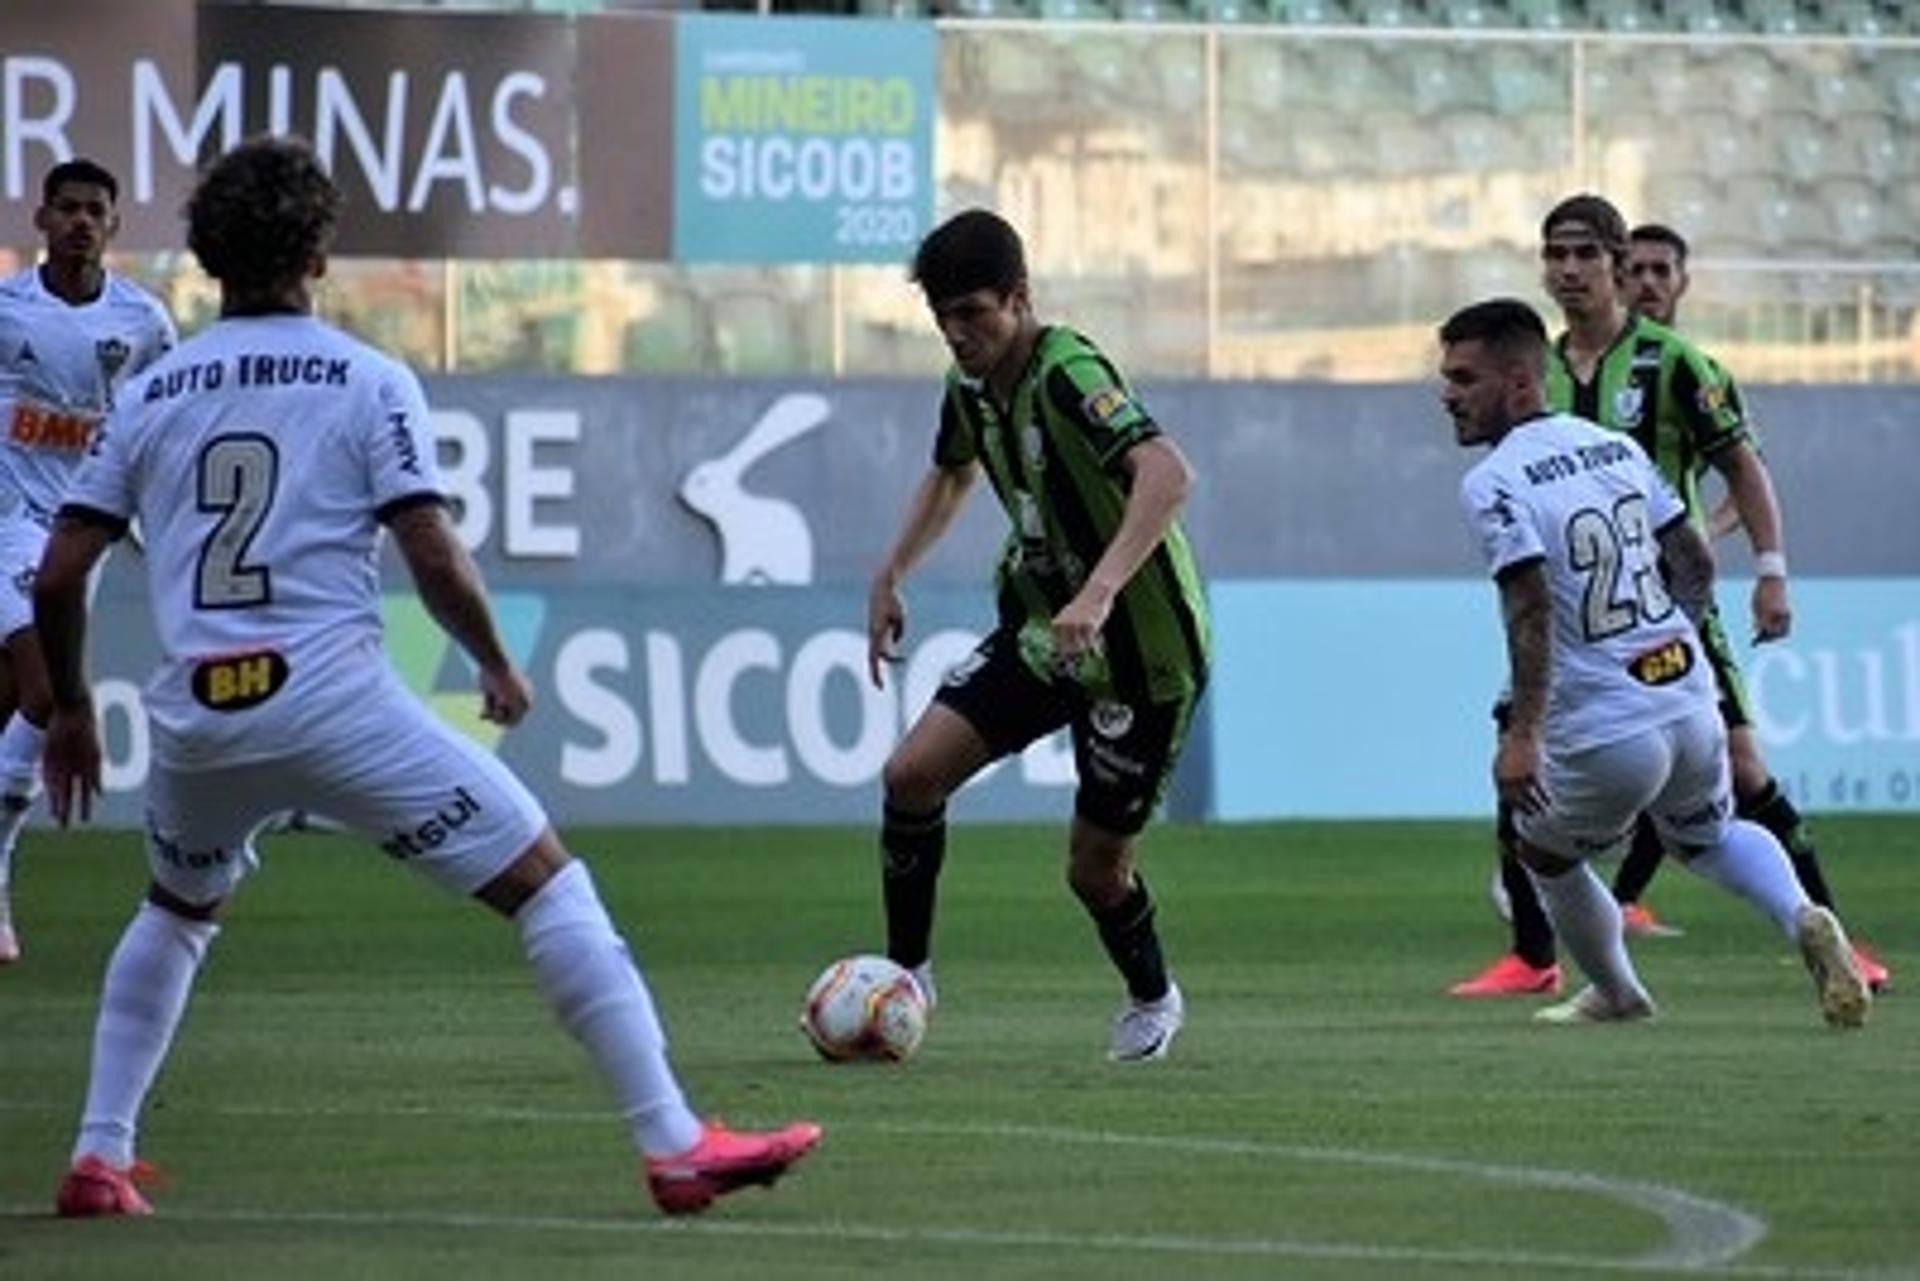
(864, 1007)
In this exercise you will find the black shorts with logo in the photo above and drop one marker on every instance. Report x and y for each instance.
(1124, 752)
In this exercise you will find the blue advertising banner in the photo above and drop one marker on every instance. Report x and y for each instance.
(1360, 699)
(802, 140)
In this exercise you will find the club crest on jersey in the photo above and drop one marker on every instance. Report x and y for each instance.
(112, 353)
(235, 682)
(1105, 405)
(1663, 664)
(1712, 399)
(1628, 403)
(1111, 720)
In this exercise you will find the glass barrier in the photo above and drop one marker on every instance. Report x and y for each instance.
(1266, 199)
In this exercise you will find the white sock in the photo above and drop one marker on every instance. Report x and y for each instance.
(1587, 921)
(1749, 861)
(596, 991)
(20, 746)
(145, 993)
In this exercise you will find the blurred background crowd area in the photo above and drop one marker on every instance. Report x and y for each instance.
(1286, 189)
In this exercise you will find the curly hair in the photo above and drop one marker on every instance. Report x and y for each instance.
(263, 211)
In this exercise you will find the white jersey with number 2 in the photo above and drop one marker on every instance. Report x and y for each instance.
(258, 457)
(1588, 504)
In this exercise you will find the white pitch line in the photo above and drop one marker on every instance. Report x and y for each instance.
(1706, 1237)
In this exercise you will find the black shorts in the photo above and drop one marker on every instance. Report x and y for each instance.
(1124, 753)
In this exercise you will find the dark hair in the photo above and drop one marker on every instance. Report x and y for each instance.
(81, 170)
(1596, 212)
(262, 212)
(1508, 327)
(973, 250)
(1660, 234)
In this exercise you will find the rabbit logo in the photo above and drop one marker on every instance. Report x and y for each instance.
(763, 540)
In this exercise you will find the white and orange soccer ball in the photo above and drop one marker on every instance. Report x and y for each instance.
(864, 1007)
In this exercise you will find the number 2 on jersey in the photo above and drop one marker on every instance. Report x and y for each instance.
(1616, 551)
(237, 476)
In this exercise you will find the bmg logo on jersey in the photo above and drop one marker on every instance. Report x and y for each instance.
(434, 832)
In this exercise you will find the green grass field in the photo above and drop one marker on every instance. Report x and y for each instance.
(368, 1086)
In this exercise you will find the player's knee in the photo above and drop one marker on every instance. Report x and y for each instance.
(910, 783)
(1542, 862)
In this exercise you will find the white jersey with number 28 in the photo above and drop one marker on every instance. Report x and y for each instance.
(258, 457)
(1589, 505)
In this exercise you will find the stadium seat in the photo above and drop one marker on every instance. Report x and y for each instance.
(1180, 74)
(1780, 18)
(1075, 10)
(1704, 17)
(1844, 90)
(1747, 80)
(1251, 74)
(1483, 142)
(1385, 13)
(1858, 216)
(1448, 79)
(1881, 153)
(1804, 148)
(1470, 15)
(1524, 79)
(1311, 13)
(1727, 150)
(1547, 15)
(1898, 73)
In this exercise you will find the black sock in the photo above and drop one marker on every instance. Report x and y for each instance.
(1642, 861)
(912, 848)
(1532, 931)
(1772, 810)
(1126, 929)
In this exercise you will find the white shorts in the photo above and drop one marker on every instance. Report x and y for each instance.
(1676, 773)
(387, 768)
(22, 543)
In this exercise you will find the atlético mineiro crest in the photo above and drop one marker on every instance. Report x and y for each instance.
(112, 354)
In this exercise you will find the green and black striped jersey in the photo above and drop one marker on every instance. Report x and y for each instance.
(1665, 392)
(1054, 459)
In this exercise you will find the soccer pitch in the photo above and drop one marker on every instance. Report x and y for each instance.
(367, 1085)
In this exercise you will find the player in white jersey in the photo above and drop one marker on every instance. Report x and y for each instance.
(71, 333)
(1601, 576)
(263, 458)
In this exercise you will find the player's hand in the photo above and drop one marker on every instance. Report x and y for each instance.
(886, 624)
(1772, 615)
(70, 762)
(1076, 628)
(506, 695)
(1516, 773)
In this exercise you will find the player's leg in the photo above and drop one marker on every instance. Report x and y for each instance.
(1748, 860)
(437, 801)
(1531, 966)
(1125, 756)
(1630, 881)
(24, 733)
(1595, 795)
(198, 850)
(1758, 796)
(988, 707)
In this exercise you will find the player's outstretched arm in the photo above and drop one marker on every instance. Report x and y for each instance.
(1750, 490)
(72, 753)
(939, 498)
(451, 588)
